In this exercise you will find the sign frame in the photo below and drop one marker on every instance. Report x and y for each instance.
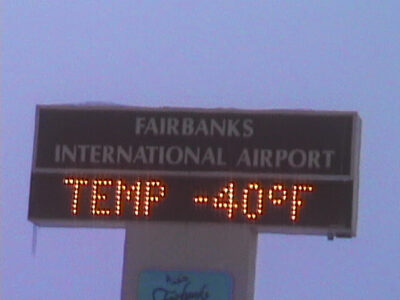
(331, 232)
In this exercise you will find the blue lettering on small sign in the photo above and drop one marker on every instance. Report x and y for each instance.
(184, 285)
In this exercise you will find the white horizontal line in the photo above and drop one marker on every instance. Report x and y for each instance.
(210, 174)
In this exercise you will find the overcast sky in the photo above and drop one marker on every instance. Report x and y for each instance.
(329, 55)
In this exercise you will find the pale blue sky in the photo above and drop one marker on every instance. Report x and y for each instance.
(330, 55)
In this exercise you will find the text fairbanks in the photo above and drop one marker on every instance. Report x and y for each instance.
(175, 155)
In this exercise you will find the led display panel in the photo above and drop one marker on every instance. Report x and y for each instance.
(278, 171)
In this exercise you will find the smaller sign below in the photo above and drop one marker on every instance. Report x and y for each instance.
(160, 285)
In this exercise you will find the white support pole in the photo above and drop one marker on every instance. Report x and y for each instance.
(164, 246)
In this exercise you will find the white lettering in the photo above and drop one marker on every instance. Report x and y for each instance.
(313, 159)
(161, 155)
(187, 155)
(152, 151)
(178, 155)
(265, 157)
(151, 127)
(281, 155)
(255, 157)
(162, 126)
(140, 155)
(139, 125)
(244, 158)
(190, 126)
(217, 127)
(328, 157)
(95, 154)
(108, 154)
(232, 130)
(248, 128)
(67, 152)
(82, 149)
(194, 157)
(126, 155)
(172, 126)
(208, 157)
(220, 160)
(57, 154)
(187, 126)
(201, 127)
(292, 160)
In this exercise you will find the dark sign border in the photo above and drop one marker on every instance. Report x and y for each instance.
(332, 231)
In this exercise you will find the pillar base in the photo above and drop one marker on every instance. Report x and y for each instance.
(164, 246)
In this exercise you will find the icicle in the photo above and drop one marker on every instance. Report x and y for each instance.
(34, 239)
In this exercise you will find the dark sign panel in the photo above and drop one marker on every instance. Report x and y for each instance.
(281, 171)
